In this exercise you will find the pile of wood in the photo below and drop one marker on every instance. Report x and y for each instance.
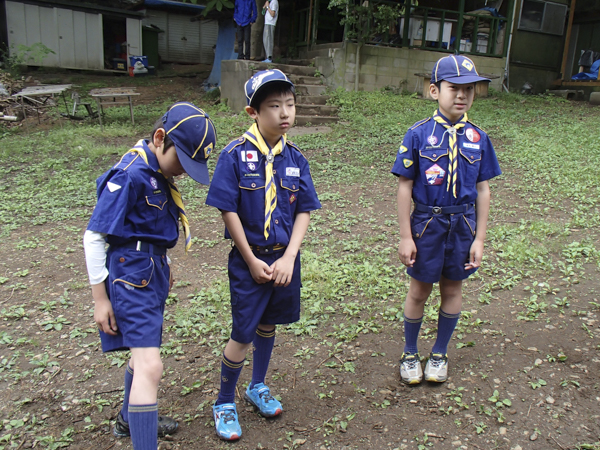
(11, 108)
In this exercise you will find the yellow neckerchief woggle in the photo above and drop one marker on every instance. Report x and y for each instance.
(452, 131)
(139, 149)
(254, 136)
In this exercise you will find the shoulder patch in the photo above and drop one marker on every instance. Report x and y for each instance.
(407, 162)
(477, 126)
(419, 123)
(233, 144)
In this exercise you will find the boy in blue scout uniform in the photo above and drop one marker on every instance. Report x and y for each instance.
(443, 164)
(137, 215)
(263, 187)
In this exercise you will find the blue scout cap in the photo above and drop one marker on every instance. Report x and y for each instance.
(194, 136)
(262, 78)
(457, 69)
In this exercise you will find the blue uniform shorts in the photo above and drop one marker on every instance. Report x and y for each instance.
(138, 286)
(443, 243)
(253, 304)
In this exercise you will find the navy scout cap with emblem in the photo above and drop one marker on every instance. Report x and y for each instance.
(194, 136)
(261, 79)
(457, 69)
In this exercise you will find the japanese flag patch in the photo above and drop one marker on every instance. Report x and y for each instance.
(249, 156)
(435, 175)
(472, 135)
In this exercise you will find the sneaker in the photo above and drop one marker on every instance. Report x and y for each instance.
(410, 368)
(227, 425)
(268, 60)
(260, 396)
(166, 425)
(436, 369)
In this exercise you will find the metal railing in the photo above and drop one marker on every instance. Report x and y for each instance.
(381, 22)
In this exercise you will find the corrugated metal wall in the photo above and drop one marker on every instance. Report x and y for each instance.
(74, 36)
(184, 41)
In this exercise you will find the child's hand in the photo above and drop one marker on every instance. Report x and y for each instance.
(171, 279)
(407, 250)
(260, 271)
(105, 316)
(283, 269)
(475, 255)
(266, 4)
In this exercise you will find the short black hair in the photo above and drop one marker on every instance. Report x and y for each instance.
(167, 142)
(274, 87)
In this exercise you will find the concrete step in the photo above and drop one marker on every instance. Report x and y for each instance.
(288, 69)
(315, 120)
(315, 110)
(309, 89)
(317, 81)
(312, 99)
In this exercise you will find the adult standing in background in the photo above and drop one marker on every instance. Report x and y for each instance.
(244, 15)
(271, 11)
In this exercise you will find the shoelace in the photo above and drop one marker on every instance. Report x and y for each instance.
(266, 396)
(412, 363)
(436, 361)
(228, 416)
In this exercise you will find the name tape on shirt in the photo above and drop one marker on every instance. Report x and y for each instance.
(249, 156)
(473, 146)
(292, 171)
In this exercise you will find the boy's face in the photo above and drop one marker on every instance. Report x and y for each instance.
(169, 162)
(453, 99)
(277, 115)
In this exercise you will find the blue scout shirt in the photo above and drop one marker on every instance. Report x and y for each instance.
(424, 156)
(244, 12)
(238, 185)
(135, 204)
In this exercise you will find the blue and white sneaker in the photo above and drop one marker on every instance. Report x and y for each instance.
(227, 425)
(267, 60)
(260, 396)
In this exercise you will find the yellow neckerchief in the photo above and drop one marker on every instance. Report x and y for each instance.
(254, 136)
(453, 165)
(139, 149)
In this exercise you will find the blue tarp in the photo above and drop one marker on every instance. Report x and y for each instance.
(223, 50)
(591, 75)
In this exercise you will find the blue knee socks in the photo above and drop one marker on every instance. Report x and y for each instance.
(446, 325)
(230, 372)
(411, 334)
(143, 426)
(128, 381)
(263, 347)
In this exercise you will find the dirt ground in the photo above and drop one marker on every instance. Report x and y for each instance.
(541, 402)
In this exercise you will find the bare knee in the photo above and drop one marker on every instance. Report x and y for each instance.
(418, 292)
(151, 369)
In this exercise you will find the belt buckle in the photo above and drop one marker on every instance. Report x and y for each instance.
(436, 209)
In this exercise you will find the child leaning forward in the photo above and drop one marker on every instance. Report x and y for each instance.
(137, 215)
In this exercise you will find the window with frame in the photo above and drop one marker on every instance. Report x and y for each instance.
(543, 17)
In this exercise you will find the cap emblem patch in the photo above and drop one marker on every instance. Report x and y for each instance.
(467, 65)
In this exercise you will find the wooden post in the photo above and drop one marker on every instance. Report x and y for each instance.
(461, 11)
(308, 33)
(563, 66)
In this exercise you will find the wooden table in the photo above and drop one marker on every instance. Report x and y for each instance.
(113, 97)
(40, 96)
(481, 87)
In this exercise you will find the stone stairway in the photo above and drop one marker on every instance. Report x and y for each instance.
(311, 100)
